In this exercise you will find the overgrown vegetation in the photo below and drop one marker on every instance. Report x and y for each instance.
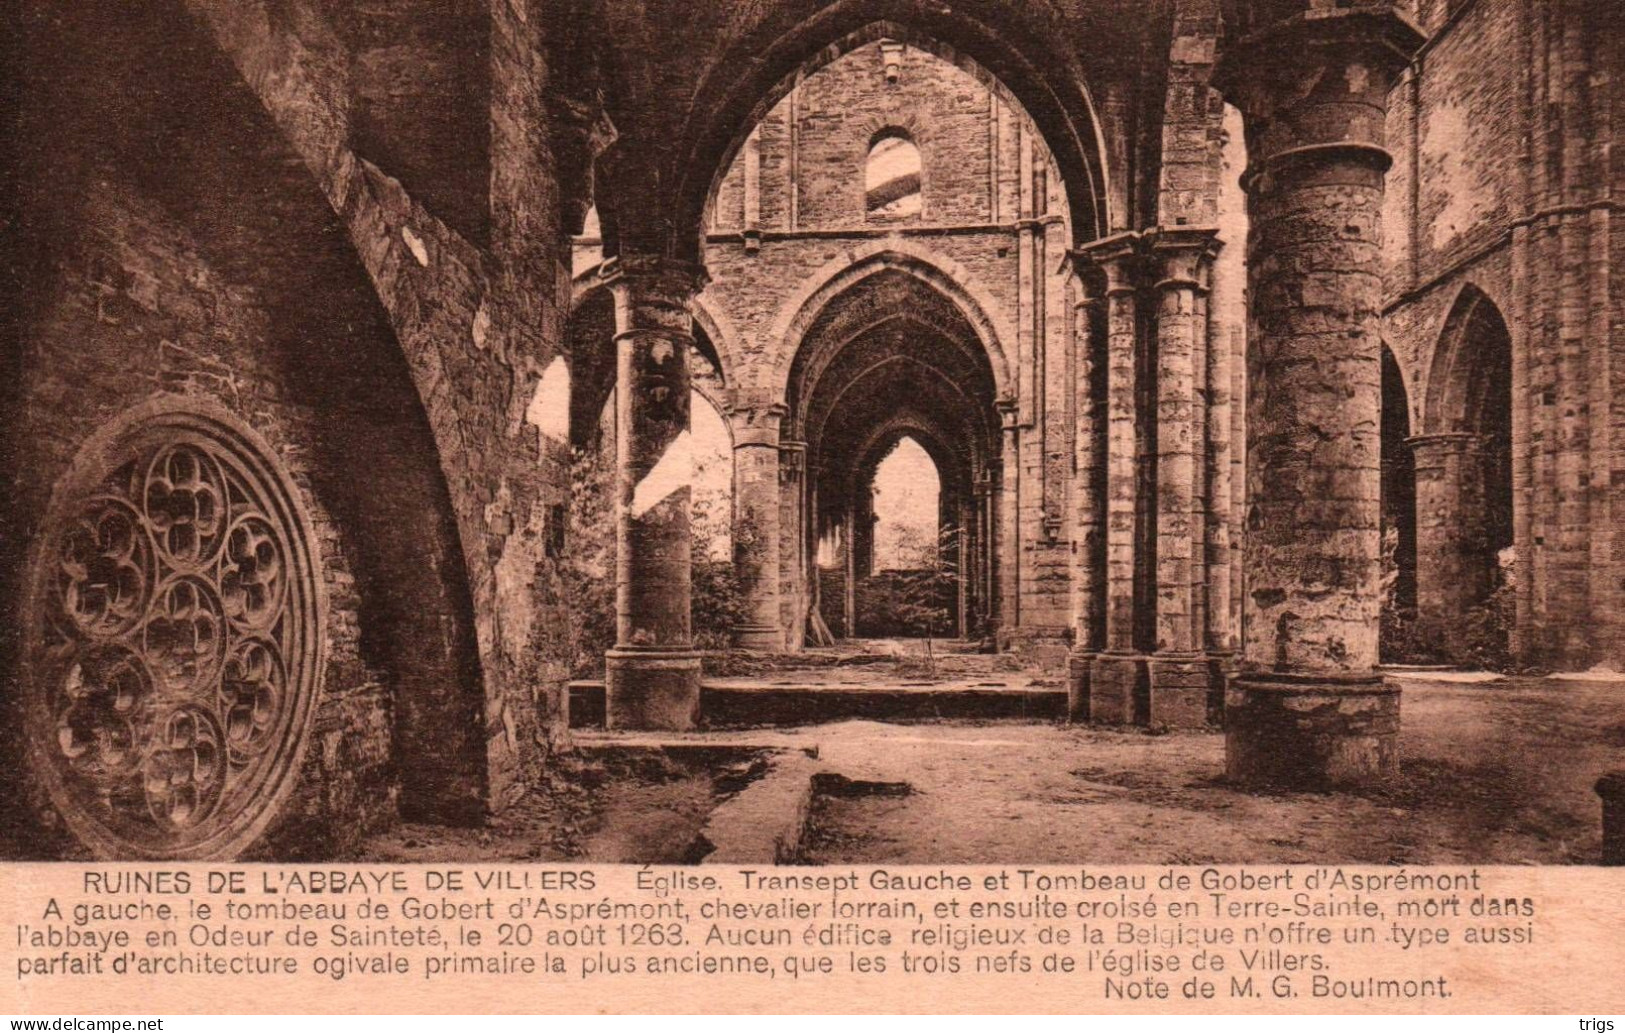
(1480, 640)
(717, 603)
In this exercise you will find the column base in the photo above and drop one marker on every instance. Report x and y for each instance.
(1117, 688)
(652, 690)
(1180, 685)
(1611, 787)
(759, 638)
(1222, 667)
(1078, 666)
(1303, 731)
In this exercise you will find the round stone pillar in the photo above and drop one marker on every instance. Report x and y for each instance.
(1453, 572)
(1180, 675)
(1009, 523)
(1118, 673)
(1308, 706)
(1088, 504)
(652, 675)
(756, 511)
(797, 561)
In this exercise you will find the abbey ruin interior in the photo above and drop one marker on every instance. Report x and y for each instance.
(1260, 355)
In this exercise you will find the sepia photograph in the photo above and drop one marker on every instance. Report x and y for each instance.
(813, 433)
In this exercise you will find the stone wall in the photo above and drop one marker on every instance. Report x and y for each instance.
(1501, 185)
(789, 216)
(198, 227)
(477, 327)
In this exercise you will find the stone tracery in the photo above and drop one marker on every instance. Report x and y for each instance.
(174, 656)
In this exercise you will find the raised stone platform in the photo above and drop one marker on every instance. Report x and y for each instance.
(751, 703)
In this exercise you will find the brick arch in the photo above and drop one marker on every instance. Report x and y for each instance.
(976, 450)
(1447, 401)
(1466, 504)
(850, 268)
(954, 472)
(1407, 382)
(1015, 53)
(872, 126)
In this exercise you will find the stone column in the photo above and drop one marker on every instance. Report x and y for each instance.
(986, 546)
(652, 675)
(1180, 675)
(1009, 523)
(1088, 510)
(1452, 570)
(849, 584)
(756, 524)
(1220, 627)
(1308, 705)
(795, 592)
(1117, 674)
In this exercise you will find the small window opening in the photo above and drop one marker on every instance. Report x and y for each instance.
(892, 179)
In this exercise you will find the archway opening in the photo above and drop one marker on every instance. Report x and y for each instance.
(1466, 565)
(893, 392)
(907, 509)
(908, 555)
(1017, 62)
(1398, 628)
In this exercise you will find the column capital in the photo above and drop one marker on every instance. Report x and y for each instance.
(792, 460)
(1120, 257)
(1184, 256)
(1456, 439)
(1009, 414)
(755, 423)
(655, 273)
(1314, 86)
(652, 292)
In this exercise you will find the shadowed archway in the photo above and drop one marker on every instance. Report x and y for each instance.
(1464, 497)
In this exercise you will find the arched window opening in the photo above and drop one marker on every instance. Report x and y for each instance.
(892, 177)
(905, 567)
(907, 491)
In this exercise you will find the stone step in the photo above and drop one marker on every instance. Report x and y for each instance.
(760, 704)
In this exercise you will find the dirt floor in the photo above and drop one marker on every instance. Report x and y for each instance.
(1493, 773)
(1498, 772)
(645, 809)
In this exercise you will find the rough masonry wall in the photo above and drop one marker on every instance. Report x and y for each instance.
(135, 312)
(1503, 183)
(991, 219)
(477, 327)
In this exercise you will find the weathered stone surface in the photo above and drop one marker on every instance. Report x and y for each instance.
(1179, 692)
(757, 537)
(346, 228)
(652, 676)
(1311, 731)
(1117, 689)
(765, 822)
(1312, 540)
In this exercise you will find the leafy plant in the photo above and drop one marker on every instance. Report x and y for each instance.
(716, 598)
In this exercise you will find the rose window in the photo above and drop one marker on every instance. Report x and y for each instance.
(174, 640)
